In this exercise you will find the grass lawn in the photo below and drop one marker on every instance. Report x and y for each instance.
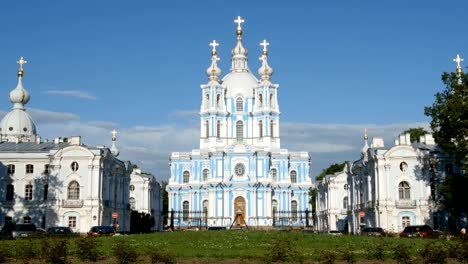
(255, 246)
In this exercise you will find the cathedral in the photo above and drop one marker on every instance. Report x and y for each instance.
(240, 175)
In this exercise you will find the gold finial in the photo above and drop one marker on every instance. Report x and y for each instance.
(239, 22)
(114, 135)
(21, 61)
(214, 44)
(365, 134)
(265, 45)
(458, 60)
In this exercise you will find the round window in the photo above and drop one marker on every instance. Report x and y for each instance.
(74, 166)
(403, 166)
(239, 169)
(10, 128)
(25, 129)
(132, 187)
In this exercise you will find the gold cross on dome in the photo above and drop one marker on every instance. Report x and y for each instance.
(458, 60)
(21, 61)
(114, 133)
(214, 44)
(264, 44)
(239, 21)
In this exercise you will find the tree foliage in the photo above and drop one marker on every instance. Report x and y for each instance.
(449, 115)
(454, 194)
(330, 170)
(416, 133)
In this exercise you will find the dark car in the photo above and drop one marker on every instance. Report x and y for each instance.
(102, 231)
(423, 231)
(372, 231)
(11, 231)
(61, 231)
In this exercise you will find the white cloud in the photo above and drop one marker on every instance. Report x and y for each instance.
(44, 117)
(72, 93)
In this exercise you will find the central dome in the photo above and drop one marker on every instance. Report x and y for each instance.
(17, 123)
(240, 83)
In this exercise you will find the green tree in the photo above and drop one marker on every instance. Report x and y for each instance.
(330, 170)
(165, 201)
(454, 195)
(416, 133)
(449, 115)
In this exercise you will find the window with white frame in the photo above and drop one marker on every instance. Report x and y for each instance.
(274, 174)
(132, 203)
(404, 191)
(185, 211)
(28, 192)
(205, 174)
(74, 166)
(72, 221)
(272, 127)
(207, 101)
(260, 128)
(207, 129)
(293, 175)
(239, 130)
(11, 169)
(186, 176)
(10, 192)
(73, 191)
(345, 202)
(260, 100)
(294, 210)
(239, 104)
(205, 210)
(29, 168)
(405, 221)
(218, 129)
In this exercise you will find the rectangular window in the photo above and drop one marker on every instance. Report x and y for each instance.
(46, 169)
(10, 192)
(28, 192)
(27, 220)
(46, 191)
(72, 221)
(29, 168)
(11, 169)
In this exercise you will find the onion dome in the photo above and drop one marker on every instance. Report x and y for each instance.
(213, 71)
(366, 146)
(265, 71)
(239, 81)
(114, 150)
(18, 123)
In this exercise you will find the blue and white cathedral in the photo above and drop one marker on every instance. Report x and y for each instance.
(240, 173)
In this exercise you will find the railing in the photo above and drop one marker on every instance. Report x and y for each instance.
(405, 204)
(72, 203)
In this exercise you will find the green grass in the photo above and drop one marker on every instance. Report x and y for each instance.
(239, 244)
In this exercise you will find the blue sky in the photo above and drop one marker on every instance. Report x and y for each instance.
(137, 65)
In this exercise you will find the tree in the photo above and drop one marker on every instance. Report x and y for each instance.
(165, 201)
(449, 115)
(330, 170)
(416, 133)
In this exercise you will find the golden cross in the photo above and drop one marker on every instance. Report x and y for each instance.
(21, 61)
(458, 60)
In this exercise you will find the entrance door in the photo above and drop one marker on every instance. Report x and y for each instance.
(239, 211)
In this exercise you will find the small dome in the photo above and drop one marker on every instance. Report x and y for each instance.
(240, 83)
(17, 123)
(114, 150)
(239, 50)
(19, 96)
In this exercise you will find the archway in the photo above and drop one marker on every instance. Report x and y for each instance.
(239, 209)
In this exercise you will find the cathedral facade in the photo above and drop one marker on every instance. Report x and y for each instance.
(240, 175)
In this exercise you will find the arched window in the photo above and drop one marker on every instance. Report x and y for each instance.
(185, 211)
(239, 104)
(260, 100)
(260, 128)
(274, 174)
(294, 210)
(271, 100)
(218, 129)
(274, 209)
(207, 129)
(345, 202)
(207, 101)
(272, 127)
(205, 174)
(404, 191)
(405, 221)
(239, 131)
(186, 176)
(132, 203)
(218, 100)
(73, 191)
(28, 192)
(205, 210)
(293, 175)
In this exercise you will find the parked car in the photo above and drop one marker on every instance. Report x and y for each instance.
(102, 231)
(423, 231)
(22, 230)
(61, 231)
(372, 231)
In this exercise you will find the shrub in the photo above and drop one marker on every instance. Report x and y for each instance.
(348, 255)
(54, 250)
(434, 253)
(124, 252)
(159, 255)
(401, 254)
(86, 248)
(4, 252)
(376, 251)
(459, 251)
(283, 249)
(25, 251)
